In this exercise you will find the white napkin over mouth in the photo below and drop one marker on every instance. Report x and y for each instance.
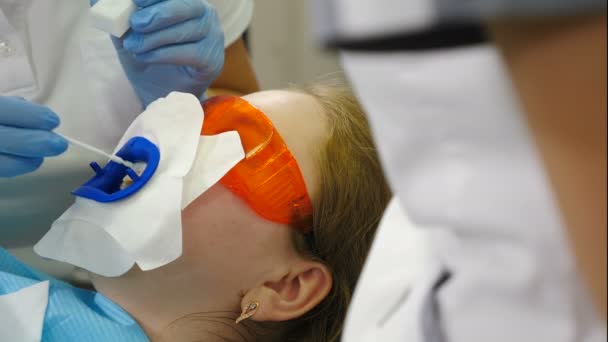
(145, 229)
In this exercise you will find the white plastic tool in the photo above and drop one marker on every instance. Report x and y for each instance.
(112, 16)
(93, 149)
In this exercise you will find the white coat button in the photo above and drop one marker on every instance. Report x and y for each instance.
(6, 50)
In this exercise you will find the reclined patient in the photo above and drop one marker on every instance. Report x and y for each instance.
(283, 276)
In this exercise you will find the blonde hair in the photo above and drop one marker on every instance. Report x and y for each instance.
(352, 198)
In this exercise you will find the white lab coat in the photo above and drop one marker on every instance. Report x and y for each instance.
(460, 159)
(483, 255)
(51, 55)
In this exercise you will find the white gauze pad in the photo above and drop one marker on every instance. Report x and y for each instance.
(145, 228)
(112, 16)
(23, 313)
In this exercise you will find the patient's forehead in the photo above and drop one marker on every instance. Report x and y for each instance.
(301, 122)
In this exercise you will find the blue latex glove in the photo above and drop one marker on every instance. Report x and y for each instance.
(173, 45)
(25, 136)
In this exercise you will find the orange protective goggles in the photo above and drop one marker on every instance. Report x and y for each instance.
(268, 179)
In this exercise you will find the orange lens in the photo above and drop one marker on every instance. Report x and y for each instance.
(268, 179)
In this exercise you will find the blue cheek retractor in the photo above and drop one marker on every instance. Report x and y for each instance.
(105, 185)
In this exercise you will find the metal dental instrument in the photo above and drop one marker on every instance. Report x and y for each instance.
(93, 149)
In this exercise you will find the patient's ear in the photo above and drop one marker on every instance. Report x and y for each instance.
(296, 293)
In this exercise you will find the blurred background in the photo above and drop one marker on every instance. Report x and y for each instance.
(282, 45)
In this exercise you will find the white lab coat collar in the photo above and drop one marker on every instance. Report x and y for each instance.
(396, 288)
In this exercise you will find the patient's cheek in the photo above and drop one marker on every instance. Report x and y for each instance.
(220, 218)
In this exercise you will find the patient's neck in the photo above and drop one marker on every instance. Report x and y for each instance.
(172, 308)
(210, 326)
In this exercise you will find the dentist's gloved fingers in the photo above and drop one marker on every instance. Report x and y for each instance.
(195, 55)
(18, 112)
(186, 32)
(31, 143)
(172, 52)
(167, 13)
(11, 166)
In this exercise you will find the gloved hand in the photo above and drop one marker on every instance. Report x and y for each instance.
(173, 45)
(25, 136)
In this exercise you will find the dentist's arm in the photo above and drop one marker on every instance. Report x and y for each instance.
(558, 67)
(238, 76)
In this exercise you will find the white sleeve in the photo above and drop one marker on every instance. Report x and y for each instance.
(235, 16)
